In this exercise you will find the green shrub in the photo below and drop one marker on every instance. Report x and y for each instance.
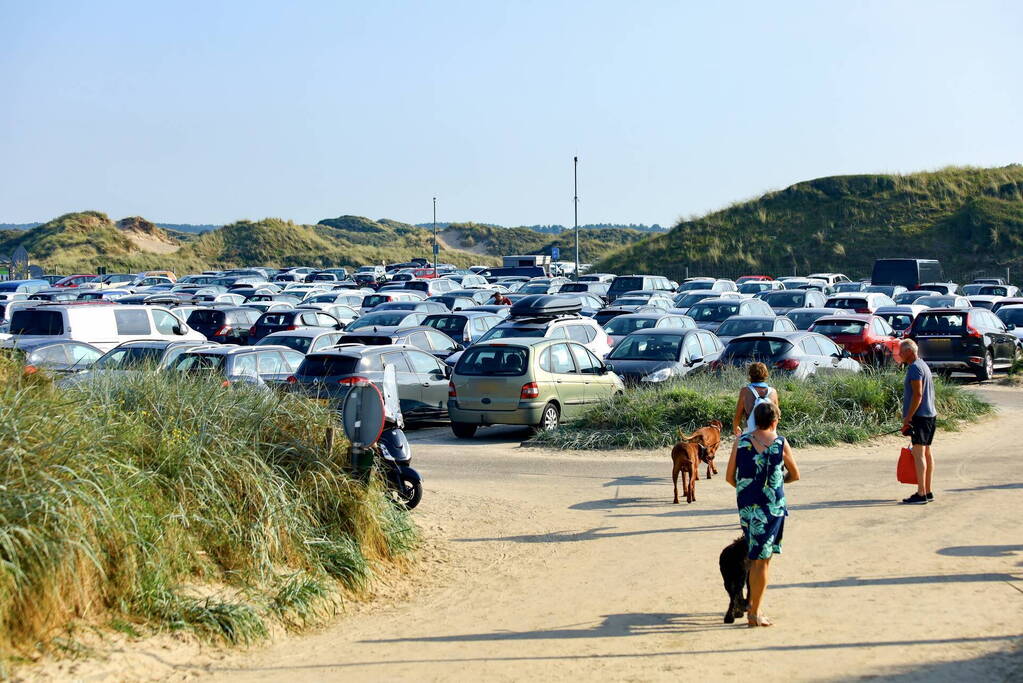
(823, 410)
(162, 501)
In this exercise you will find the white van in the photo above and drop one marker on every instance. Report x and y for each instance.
(101, 324)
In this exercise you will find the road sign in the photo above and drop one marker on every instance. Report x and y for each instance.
(362, 415)
(555, 253)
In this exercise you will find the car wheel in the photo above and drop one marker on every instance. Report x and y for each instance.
(988, 371)
(464, 430)
(549, 418)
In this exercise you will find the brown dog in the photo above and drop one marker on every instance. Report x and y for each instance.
(709, 439)
(687, 454)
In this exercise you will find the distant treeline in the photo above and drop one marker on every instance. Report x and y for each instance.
(19, 226)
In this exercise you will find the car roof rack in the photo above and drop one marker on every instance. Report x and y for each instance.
(545, 306)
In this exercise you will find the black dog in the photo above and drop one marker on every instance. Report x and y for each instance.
(734, 564)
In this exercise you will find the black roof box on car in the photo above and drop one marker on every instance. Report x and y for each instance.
(545, 306)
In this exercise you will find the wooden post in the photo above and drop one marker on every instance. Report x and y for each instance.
(328, 442)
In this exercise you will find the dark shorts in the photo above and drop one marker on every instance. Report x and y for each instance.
(923, 430)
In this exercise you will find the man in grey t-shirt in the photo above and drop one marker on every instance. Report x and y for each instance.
(919, 416)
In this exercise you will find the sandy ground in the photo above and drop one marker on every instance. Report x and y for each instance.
(554, 565)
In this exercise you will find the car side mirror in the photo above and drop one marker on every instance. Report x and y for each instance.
(694, 361)
(846, 354)
(458, 347)
(447, 371)
(1009, 327)
(607, 367)
(177, 329)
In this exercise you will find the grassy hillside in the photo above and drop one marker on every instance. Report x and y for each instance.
(594, 243)
(79, 242)
(969, 218)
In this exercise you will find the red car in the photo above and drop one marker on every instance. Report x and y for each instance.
(869, 338)
(751, 278)
(74, 280)
(424, 274)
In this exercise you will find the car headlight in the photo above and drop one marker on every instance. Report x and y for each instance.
(658, 376)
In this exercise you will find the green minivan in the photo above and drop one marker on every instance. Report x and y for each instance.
(525, 381)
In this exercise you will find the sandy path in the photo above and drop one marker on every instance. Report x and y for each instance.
(563, 565)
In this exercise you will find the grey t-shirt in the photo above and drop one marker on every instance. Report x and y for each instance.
(918, 370)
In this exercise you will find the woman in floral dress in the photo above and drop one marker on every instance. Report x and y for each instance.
(761, 462)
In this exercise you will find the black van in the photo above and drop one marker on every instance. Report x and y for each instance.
(908, 272)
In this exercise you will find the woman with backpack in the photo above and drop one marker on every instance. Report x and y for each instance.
(750, 396)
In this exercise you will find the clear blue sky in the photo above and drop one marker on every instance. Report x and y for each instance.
(214, 111)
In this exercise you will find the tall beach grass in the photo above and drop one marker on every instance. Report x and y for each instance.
(163, 501)
(823, 410)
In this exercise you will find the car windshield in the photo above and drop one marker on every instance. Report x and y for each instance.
(753, 287)
(375, 300)
(696, 284)
(702, 313)
(500, 332)
(535, 289)
(648, 347)
(449, 324)
(379, 319)
(733, 328)
(974, 288)
(631, 301)
(848, 303)
(200, 362)
(1013, 316)
(888, 290)
(130, 358)
(300, 344)
(623, 325)
(784, 299)
(626, 284)
(836, 327)
(327, 366)
(687, 300)
(757, 348)
(276, 319)
(849, 287)
(936, 301)
(804, 320)
(940, 323)
(493, 361)
(994, 290)
(898, 321)
(909, 297)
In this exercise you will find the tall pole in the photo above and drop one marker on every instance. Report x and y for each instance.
(575, 181)
(435, 237)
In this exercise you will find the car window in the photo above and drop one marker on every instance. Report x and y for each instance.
(578, 333)
(693, 348)
(164, 322)
(585, 361)
(244, 365)
(132, 322)
(827, 347)
(810, 347)
(325, 320)
(269, 363)
(83, 355)
(557, 333)
(710, 344)
(50, 355)
(397, 359)
(441, 342)
(424, 363)
(784, 325)
(561, 359)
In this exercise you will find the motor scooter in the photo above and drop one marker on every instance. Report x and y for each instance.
(403, 482)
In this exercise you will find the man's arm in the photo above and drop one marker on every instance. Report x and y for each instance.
(917, 387)
(730, 470)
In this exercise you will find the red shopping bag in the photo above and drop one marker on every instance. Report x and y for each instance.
(906, 471)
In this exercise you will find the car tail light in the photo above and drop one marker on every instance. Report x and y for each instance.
(977, 360)
(787, 364)
(349, 381)
(31, 369)
(221, 331)
(291, 328)
(252, 331)
(863, 310)
(452, 392)
(973, 331)
(226, 383)
(531, 390)
(610, 341)
(292, 379)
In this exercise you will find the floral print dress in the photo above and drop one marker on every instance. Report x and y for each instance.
(760, 496)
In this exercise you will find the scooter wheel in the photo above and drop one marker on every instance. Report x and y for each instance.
(410, 492)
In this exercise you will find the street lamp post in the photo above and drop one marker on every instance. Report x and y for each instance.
(575, 181)
(435, 250)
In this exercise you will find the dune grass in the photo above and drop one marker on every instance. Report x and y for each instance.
(164, 502)
(822, 410)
